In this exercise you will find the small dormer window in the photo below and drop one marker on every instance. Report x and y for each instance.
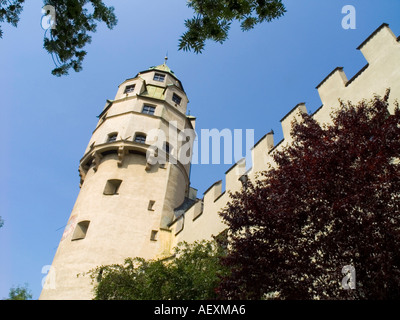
(129, 89)
(177, 99)
(159, 77)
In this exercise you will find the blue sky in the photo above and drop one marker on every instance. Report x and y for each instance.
(249, 82)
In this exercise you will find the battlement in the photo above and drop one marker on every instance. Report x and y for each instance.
(382, 52)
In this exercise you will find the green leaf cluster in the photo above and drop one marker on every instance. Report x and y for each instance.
(75, 20)
(10, 11)
(192, 273)
(212, 19)
(20, 293)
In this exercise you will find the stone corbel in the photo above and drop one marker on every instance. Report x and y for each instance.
(96, 160)
(122, 152)
(82, 175)
(151, 158)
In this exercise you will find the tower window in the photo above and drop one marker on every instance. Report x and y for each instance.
(154, 235)
(159, 77)
(177, 99)
(151, 205)
(140, 138)
(244, 179)
(148, 109)
(112, 187)
(80, 230)
(167, 147)
(112, 137)
(129, 89)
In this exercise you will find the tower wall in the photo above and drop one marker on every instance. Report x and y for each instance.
(121, 224)
(126, 202)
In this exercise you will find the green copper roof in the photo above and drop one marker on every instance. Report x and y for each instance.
(154, 92)
(162, 67)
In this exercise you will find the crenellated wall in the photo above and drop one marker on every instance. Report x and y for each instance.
(382, 52)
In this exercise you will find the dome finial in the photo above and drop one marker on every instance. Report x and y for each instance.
(166, 58)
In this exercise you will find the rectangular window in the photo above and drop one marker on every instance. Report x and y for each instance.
(177, 99)
(140, 138)
(159, 77)
(129, 89)
(154, 235)
(148, 109)
(167, 147)
(112, 137)
(112, 187)
(151, 205)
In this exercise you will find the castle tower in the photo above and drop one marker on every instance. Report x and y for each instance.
(134, 178)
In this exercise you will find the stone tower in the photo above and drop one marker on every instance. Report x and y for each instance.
(134, 182)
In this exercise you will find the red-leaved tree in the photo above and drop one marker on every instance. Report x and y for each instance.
(331, 205)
